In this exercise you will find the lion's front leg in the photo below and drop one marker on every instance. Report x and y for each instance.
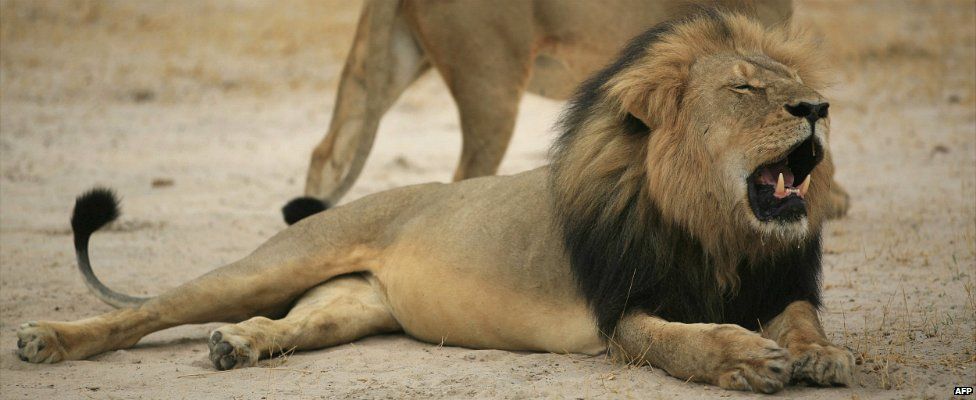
(729, 356)
(815, 360)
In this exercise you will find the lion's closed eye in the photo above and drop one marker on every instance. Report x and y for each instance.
(745, 88)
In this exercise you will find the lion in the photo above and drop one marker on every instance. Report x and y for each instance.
(489, 54)
(677, 226)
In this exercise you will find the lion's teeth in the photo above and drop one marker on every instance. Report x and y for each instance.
(805, 186)
(780, 187)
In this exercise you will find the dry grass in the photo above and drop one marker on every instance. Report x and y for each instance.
(891, 347)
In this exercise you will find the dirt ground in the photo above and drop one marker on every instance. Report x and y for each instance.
(202, 114)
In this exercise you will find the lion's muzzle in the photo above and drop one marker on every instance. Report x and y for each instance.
(777, 190)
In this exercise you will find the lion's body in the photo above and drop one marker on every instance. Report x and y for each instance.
(497, 260)
(644, 236)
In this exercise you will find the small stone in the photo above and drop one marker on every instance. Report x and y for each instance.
(161, 182)
(143, 95)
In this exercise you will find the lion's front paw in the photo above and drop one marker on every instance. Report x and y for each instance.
(229, 350)
(747, 361)
(823, 365)
(38, 342)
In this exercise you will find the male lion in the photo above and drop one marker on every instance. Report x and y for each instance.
(682, 211)
(489, 54)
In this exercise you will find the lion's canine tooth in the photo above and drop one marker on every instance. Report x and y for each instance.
(805, 186)
(780, 186)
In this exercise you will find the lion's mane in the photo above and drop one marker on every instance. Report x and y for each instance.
(636, 238)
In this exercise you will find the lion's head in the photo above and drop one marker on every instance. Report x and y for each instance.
(732, 106)
(698, 156)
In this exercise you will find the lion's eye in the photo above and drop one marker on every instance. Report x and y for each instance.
(743, 88)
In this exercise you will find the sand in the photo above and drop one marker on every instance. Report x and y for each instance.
(203, 114)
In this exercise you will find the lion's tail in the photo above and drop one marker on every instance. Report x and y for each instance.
(93, 210)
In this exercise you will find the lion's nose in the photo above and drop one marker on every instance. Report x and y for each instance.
(811, 111)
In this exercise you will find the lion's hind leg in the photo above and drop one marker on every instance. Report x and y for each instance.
(339, 311)
(50, 341)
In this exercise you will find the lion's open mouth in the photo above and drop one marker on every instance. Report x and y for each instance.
(777, 190)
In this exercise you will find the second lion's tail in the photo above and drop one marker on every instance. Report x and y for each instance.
(93, 210)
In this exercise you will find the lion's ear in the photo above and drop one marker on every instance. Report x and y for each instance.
(664, 102)
(655, 103)
(640, 112)
(652, 90)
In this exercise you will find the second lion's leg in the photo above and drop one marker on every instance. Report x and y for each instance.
(384, 60)
(729, 356)
(486, 127)
(815, 359)
(839, 201)
(486, 62)
(339, 311)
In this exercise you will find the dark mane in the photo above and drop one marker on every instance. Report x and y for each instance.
(623, 254)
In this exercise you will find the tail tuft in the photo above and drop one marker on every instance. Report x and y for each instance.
(93, 210)
(302, 207)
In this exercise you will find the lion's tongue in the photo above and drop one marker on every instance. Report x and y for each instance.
(769, 174)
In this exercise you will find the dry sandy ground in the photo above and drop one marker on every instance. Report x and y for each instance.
(225, 99)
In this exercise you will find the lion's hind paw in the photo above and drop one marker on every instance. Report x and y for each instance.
(38, 342)
(229, 351)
